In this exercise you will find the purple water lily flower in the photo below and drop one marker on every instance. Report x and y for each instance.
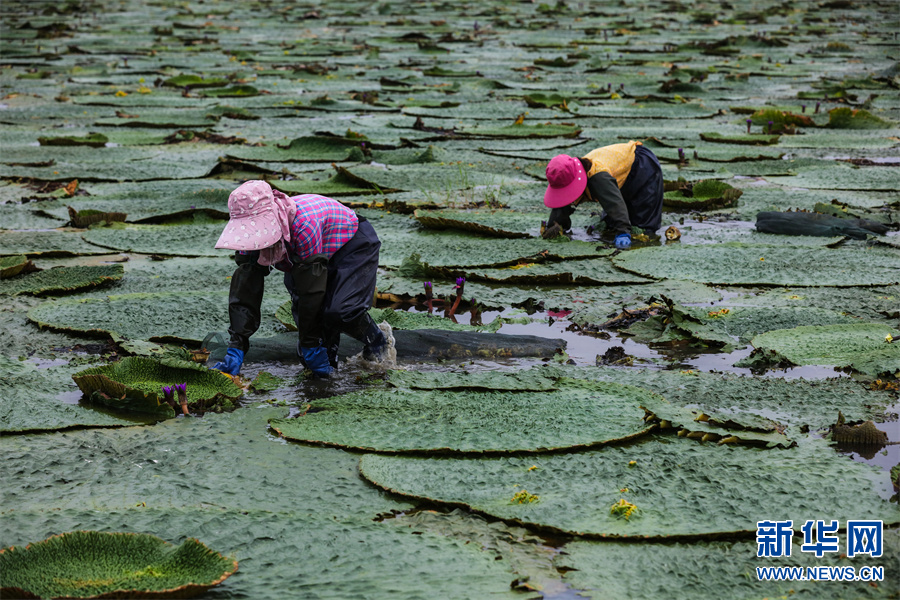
(803, 108)
(770, 126)
(749, 122)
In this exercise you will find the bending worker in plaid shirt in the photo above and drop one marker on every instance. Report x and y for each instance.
(329, 257)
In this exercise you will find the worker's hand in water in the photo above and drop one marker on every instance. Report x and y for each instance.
(234, 358)
(316, 360)
(623, 241)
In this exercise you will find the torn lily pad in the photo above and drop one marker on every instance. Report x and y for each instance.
(574, 415)
(95, 564)
(868, 348)
(728, 487)
(136, 384)
(87, 217)
(61, 280)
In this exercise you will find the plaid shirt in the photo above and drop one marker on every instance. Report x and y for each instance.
(321, 225)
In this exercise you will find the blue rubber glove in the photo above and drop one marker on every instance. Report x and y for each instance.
(623, 241)
(316, 360)
(234, 358)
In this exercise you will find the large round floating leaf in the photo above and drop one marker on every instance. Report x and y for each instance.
(746, 140)
(344, 557)
(135, 384)
(703, 195)
(865, 347)
(575, 415)
(486, 380)
(36, 400)
(46, 243)
(597, 271)
(522, 131)
(10, 266)
(163, 317)
(501, 224)
(94, 564)
(680, 488)
(744, 264)
(61, 279)
(168, 240)
(94, 140)
(611, 569)
(302, 149)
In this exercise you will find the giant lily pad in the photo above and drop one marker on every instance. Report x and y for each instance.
(575, 415)
(618, 569)
(864, 347)
(741, 264)
(721, 325)
(164, 317)
(490, 380)
(169, 240)
(10, 266)
(703, 195)
(40, 400)
(681, 488)
(61, 280)
(135, 384)
(46, 243)
(94, 564)
(598, 271)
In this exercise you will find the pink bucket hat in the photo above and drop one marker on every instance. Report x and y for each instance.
(567, 181)
(254, 221)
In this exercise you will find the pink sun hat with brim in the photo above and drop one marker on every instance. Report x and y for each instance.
(567, 180)
(253, 218)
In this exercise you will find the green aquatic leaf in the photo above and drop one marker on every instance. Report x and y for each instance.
(848, 118)
(744, 264)
(397, 420)
(135, 384)
(760, 139)
(181, 317)
(487, 380)
(619, 570)
(863, 347)
(61, 280)
(41, 400)
(46, 243)
(93, 140)
(682, 488)
(703, 195)
(94, 564)
(10, 266)
(165, 240)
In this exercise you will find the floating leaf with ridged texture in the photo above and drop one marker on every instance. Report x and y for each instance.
(166, 317)
(94, 140)
(683, 489)
(574, 415)
(608, 569)
(746, 140)
(10, 266)
(94, 564)
(487, 380)
(61, 279)
(46, 243)
(135, 384)
(703, 195)
(744, 264)
(865, 347)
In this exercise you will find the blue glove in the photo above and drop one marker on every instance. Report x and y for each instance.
(316, 360)
(623, 241)
(234, 358)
